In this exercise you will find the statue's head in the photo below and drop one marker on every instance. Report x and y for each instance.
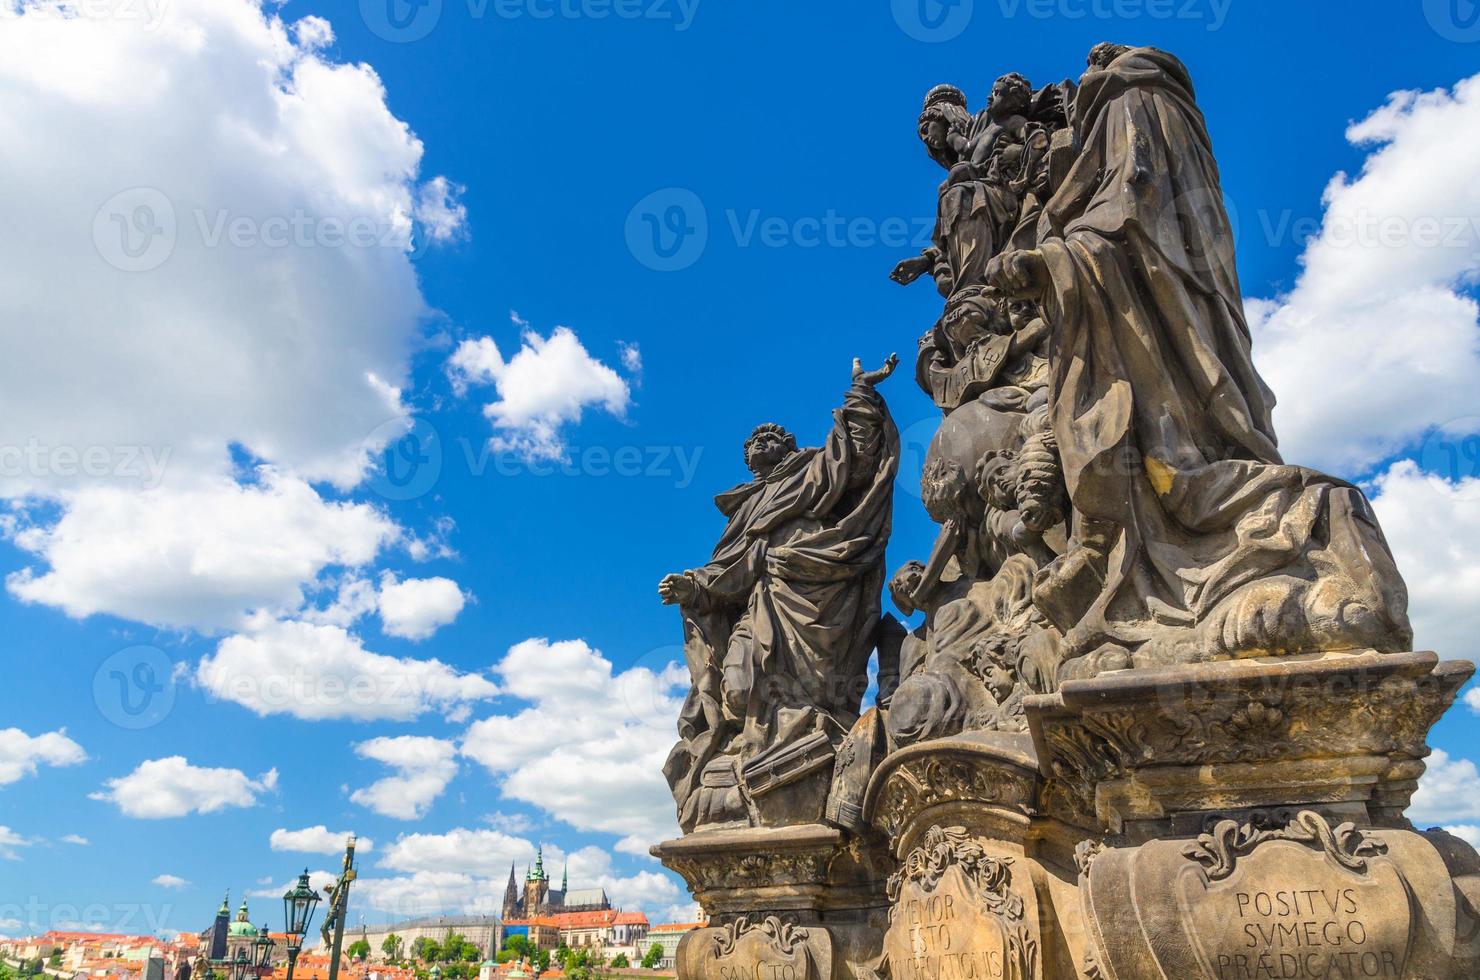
(996, 478)
(1012, 94)
(1021, 312)
(1103, 53)
(768, 445)
(944, 113)
(943, 488)
(903, 584)
(994, 659)
(975, 310)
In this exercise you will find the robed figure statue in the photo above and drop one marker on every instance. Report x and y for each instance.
(1191, 539)
(780, 623)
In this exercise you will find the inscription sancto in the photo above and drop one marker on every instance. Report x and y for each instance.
(771, 949)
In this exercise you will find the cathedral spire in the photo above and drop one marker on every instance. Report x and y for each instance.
(565, 877)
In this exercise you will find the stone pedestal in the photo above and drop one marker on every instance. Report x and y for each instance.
(787, 903)
(1231, 821)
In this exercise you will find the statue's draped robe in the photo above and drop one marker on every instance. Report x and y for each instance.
(1164, 425)
(791, 596)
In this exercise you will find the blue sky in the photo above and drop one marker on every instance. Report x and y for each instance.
(546, 151)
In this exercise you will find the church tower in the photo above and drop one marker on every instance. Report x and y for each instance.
(536, 886)
(511, 897)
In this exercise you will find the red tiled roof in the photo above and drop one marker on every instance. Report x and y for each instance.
(581, 920)
(631, 919)
(677, 927)
(59, 936)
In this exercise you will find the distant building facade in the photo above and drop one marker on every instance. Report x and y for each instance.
(667, 935)
(483, 931)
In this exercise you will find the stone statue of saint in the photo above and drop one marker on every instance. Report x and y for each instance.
(1191, 538)
(780, 623)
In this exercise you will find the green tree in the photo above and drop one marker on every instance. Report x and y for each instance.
(359, 949)
(426, 949)
(620, 962)
(541, 959)
(562, 956)
(391, 947)
(653, 957)
(517, 944)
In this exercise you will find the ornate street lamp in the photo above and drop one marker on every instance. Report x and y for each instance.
(298, 906)
(240, 963)
(263, 949)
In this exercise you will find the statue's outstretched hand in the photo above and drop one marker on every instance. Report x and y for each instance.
(911, 269)
(872, 378)
(677, 589)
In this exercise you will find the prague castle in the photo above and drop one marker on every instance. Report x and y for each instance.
(539, 899)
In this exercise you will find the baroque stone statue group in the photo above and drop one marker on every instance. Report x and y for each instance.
(1158, 716)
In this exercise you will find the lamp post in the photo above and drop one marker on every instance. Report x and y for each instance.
(298, 906)
(240, 963)
(263, 949)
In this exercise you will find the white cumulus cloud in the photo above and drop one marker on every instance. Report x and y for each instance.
(204, 556)
(466, 870)
(319, 672)
(1448, 792)
(21, 754)
(172, 787)
(424, 766)
(239, 273)
(415, 608)
(481, 852)
(169, 881)
(1433, 526)
(589, 748)
(317, 839)
(1377, 342)
(235, 287)
(547, 384)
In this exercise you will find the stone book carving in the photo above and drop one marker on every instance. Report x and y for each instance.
(1157, 715)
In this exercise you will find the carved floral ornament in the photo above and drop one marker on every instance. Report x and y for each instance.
(927, 781)
(1228, 840)
(946, 847)
(754, 869)
(785, 936)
